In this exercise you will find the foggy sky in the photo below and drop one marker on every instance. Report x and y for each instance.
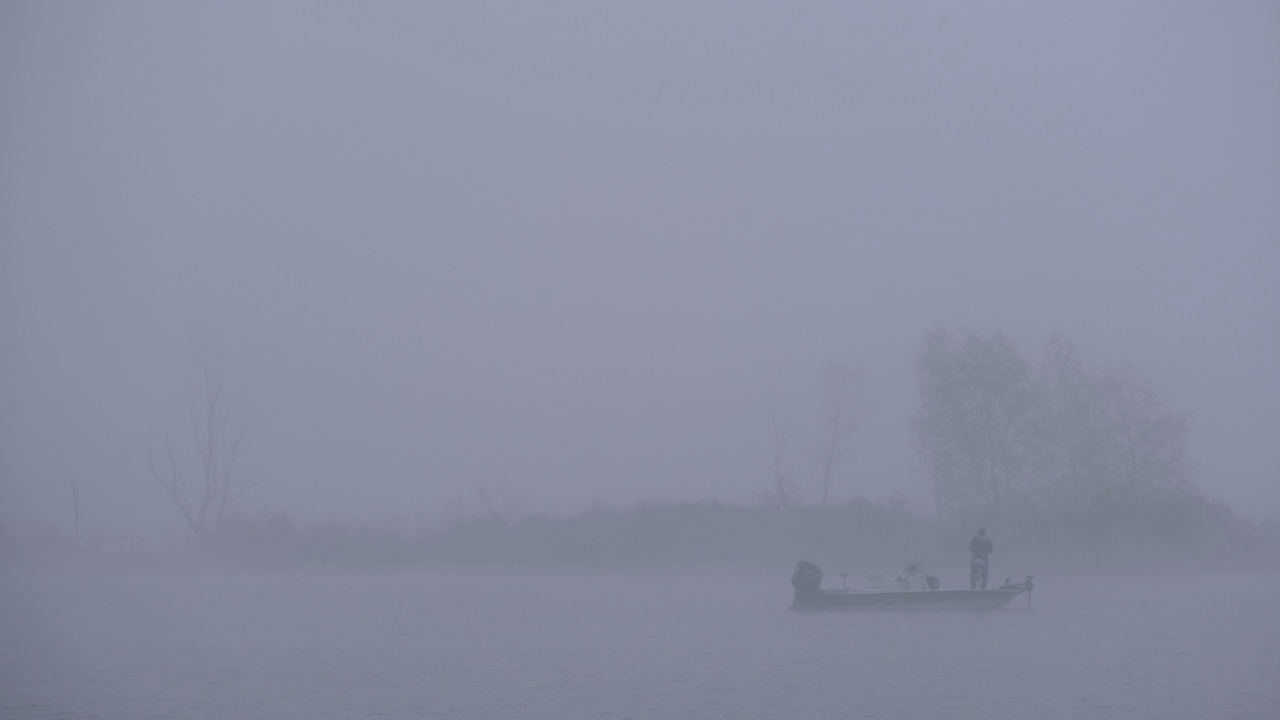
(586, 251)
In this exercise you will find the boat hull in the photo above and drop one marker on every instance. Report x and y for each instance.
(915, 600)
(807, 581)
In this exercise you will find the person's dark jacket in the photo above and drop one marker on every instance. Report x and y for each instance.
(981, 547)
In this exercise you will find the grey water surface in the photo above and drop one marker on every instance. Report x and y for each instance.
(718, 644)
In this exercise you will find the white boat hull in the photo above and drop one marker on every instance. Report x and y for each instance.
(972, 600)
(807, 581)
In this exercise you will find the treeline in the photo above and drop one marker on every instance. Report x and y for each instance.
(1068, 466)
(1004, 437)
(1085, 465)
(1176, 533)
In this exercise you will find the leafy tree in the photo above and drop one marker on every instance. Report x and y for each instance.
(1148, 439)
(999, 433)
(1113, 439)
(1079, 468)
(978, 426)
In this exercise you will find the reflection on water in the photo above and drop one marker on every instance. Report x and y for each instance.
(300, 645)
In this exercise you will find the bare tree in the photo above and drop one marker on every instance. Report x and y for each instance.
(499, 505)
(784, 493)
(75, 506)
(204, 488)
(454, 509)
(840, 416)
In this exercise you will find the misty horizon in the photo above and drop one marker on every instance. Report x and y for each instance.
(580, 255)
(564, 359)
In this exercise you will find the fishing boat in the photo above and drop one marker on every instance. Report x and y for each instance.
(913, 589)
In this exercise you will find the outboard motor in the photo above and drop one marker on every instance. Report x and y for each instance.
(807, 579)
(931, 582)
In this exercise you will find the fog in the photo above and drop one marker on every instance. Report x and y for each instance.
(577, 253)
(502, 360)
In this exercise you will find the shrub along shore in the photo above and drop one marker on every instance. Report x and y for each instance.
(1175, 533)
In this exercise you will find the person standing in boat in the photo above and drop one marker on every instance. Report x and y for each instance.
(980, 547)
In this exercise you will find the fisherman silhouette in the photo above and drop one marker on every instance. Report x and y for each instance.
(981, 547)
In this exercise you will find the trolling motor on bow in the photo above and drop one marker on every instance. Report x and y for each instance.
(1025, 585)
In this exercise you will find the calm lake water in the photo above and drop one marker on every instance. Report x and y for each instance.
(306, 645)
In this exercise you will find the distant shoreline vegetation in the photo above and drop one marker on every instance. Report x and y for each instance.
(1068, 466)
(1179, 533)
(1183, 532)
